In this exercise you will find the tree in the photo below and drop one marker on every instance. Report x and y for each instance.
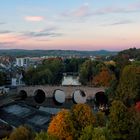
(87, 133)
(88, 70)
(56, 67)
(73, 64)
(122, 60)
(97, 133)
(104, 78)
(22, 133)
(2, 78)
(61, 126)
(100, 119)
(135, 124)
(50, 72)
(110, 92)
(44, 136)
(128, 89)
(119, 121)
(82, 116)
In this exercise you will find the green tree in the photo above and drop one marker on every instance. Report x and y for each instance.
(87, 133)
(100, 119)
(122, 60)
(99, 134)
(44, 77)
(56, 67)
(82, 116)
(50, 72)
(73, 64)
(119, 121)
(44, 136)
(128, 89)
(135, 124)
(2, 78)
(88, 70)
(111, 91)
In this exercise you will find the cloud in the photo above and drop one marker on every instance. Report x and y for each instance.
(121, 22)
(81, 11)
(42, 34)
(109, 10)
(5, 31)
(85, 10)
(114, 9)
(48, 32)
(34, 18)
(1, 23)
(135, 6)
(7, 45)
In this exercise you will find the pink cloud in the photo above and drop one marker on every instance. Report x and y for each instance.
(82, 11)
(34, 18)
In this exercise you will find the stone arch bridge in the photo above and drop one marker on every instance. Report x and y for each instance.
(68, 90)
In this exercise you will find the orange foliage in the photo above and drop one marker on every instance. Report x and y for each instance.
(104, 78)
(61, 126)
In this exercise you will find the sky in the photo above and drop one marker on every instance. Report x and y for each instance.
(70, 24)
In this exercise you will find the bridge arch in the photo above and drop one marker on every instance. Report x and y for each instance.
(23, 94)
(39, 96)
(79, 96)
(101, 98)
(59, 96)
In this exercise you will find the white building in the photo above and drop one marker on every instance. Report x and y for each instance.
(17, 80)
(22, 62)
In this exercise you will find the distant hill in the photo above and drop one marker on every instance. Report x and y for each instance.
(131, 53)
(36, 53)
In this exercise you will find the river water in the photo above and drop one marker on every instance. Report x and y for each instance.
(71, 80)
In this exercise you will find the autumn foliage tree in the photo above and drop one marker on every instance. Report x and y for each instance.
(61, 126)
(68, 125)
(103, 78)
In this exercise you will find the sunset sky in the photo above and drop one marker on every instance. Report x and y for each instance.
(69, 24)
